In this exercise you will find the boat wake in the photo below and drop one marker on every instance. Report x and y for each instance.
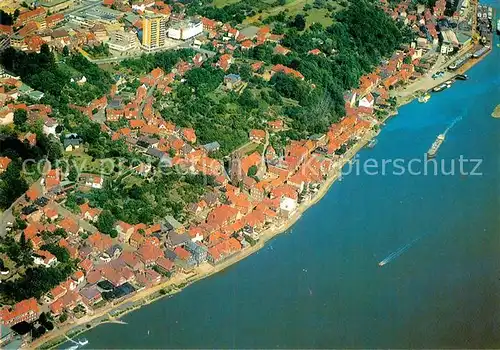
(398, 252)
(452, 125)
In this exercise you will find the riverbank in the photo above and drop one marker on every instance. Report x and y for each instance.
(321, 287)
(180, 281)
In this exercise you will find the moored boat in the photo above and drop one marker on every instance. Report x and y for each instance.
(372, 143)
(424, 98)
(441, 87)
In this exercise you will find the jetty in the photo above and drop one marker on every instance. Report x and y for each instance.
(113, 319)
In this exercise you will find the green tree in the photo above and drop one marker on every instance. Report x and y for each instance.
(106, 222)
(299, 22)
(252, 171)
(12, 184)
(73, 174)
(59, 252)
(20, 119)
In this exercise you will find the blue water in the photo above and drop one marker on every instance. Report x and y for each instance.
(321, 286)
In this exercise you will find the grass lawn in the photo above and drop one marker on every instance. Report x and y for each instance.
(86, 165)
(222, 3)
(291, 6)
(321, 16)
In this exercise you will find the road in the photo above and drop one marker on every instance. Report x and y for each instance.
(183, 45)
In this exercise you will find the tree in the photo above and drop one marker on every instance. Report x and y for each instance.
(299, 22)
(252, 171)
(20, 119)
(106, 222)
(12, 184)
(73, 174)
(59, 252)
(65, 51)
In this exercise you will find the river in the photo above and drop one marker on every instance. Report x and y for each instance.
(321, 287)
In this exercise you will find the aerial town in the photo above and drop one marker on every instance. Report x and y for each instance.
(139, 178)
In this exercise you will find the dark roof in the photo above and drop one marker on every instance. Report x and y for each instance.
(90, 292)
(156, 153)
(169, 254)
(72, 142)
(177, 239)
(42, 201)
(211, 198)
(212, 146)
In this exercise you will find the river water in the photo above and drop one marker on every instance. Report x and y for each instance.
(320, 286)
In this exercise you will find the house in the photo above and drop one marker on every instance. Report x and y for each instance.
(232, 81)
(71, 144)
(223, 250)
(26, 310)
(99, 242)
(279, 68)
(4, 163)
(257, 135)
(189, 135)
(288, 206)
(88, 213)
(94, 181)
(78, 277)
(198, 250)
(149, 253)
(69, 225)
(211, 147)
(91, 295)
(132, 260)
(44, 258)
(86, 265)
(171, 224)
(165, 265)
(225, 62)
(125, 230)
(185, 260)
(58, 292)
(367, 101)
(50, 126)
(222, 216)
(50, 213)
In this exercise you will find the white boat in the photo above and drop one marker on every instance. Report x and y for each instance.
(424, 98)
(83, 342)
(74, 347)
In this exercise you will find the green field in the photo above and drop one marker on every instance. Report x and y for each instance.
(222, 3)
(320, 16)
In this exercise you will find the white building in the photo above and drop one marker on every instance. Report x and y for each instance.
(367, 101)
(94, 182)
(143, 6)
(184, 30)
(49, 127)
(288, 206)
(124, 41)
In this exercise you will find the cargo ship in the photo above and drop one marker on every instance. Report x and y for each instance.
(431, 153)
